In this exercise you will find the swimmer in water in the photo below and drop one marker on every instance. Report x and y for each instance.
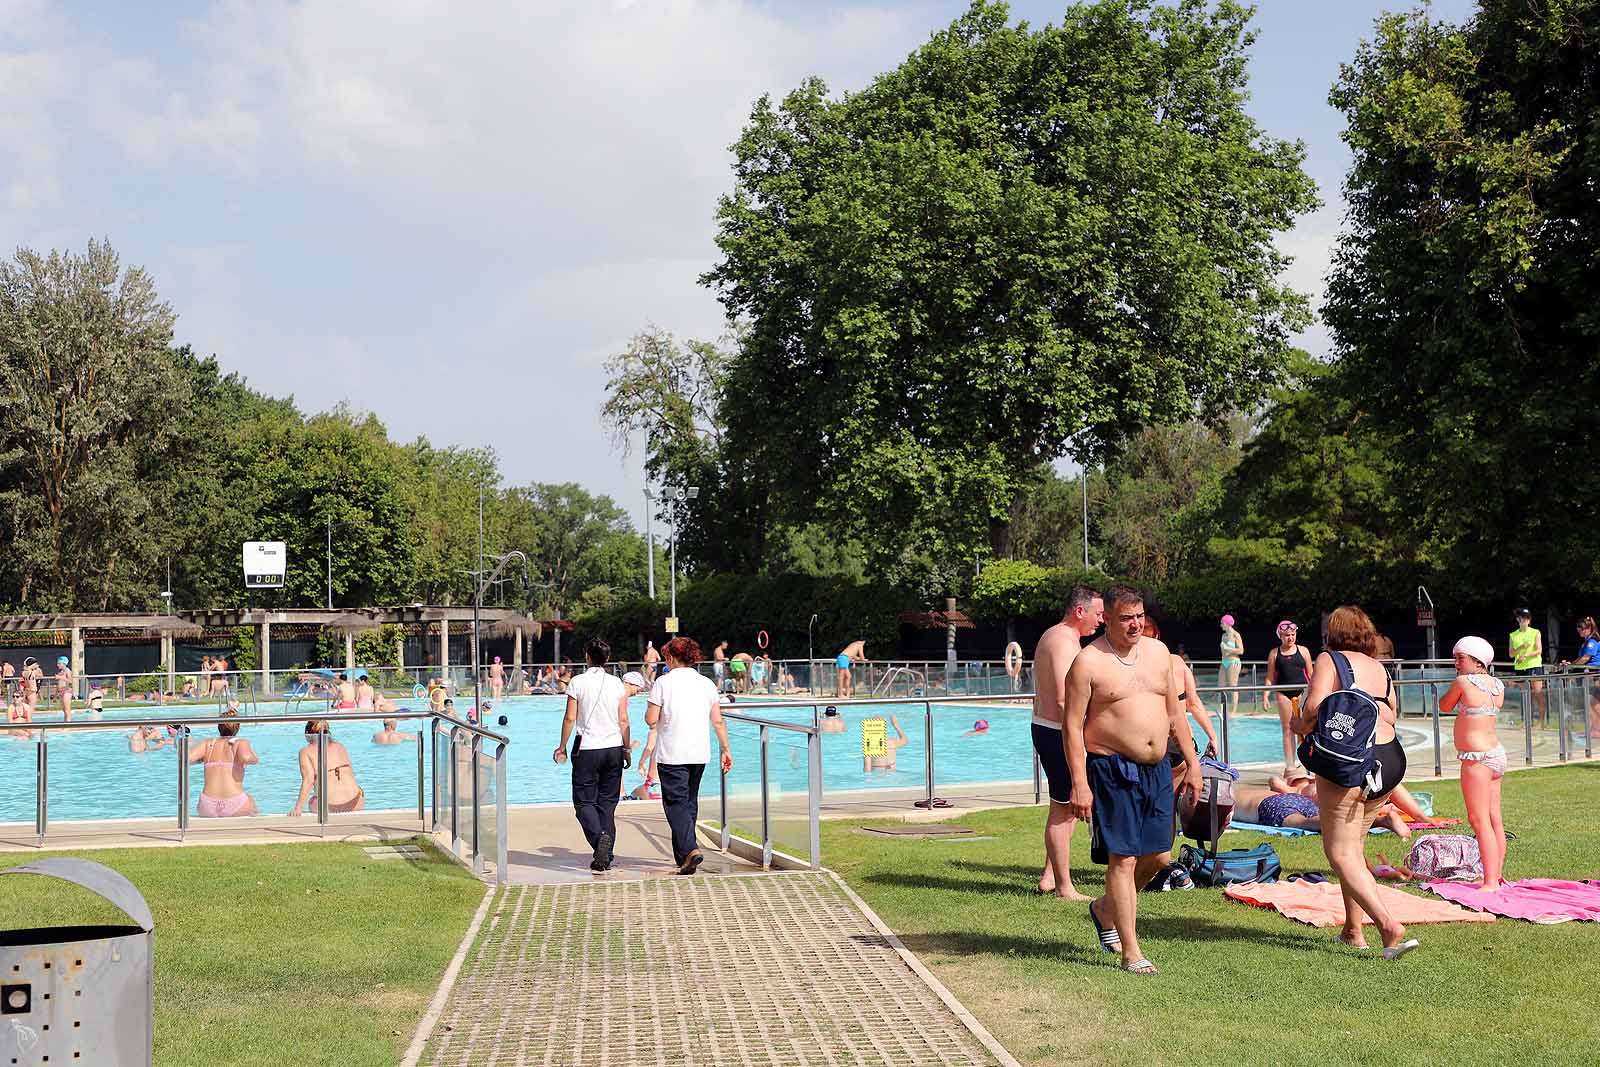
(893, 745)
(832, 721)
(390, 735)
(979, 728)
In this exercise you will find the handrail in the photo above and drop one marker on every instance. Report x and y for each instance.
(458, 728)
(813, 735)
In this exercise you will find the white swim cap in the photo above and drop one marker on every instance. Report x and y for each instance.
(1477, 648)
(635, 678)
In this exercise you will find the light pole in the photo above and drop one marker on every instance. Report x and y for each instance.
(677, 495)
(650, 541)
(330, 562)
(811, 652)
(1085, 480)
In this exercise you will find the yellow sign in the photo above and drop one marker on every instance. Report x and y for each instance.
(672, 624)
(874, 738)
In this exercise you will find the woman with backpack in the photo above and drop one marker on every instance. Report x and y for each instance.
(1358, 761)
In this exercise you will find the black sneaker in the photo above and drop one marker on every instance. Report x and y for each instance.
(602, 854)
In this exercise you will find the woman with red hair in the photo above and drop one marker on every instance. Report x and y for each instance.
(684, 707)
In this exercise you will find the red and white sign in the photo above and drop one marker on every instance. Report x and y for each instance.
(1425, 618)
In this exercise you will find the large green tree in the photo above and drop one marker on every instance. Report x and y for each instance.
(89, 402)
(1465, 299)
(1017, 242)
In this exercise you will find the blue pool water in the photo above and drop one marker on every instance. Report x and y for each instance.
(94, 776)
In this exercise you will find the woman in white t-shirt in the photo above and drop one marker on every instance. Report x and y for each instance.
(597, 707)
(683, 710)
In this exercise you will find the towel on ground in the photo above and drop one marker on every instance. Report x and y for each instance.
(1284, 831)
(1433, 824)
(1320, 904)
(1538, 900)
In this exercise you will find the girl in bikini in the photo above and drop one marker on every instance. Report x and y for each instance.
(344, 794)
(1476, 697)
(225, 758)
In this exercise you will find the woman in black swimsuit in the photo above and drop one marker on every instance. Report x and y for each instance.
(1348, 813)
(1288, 664)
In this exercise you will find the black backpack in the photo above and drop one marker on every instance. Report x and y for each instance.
(1340, 747)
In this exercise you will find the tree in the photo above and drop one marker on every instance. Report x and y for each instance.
(88, 402)
(575, 541)
(1015, 243)
(1463, 297)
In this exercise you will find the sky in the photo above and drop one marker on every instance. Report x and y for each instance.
(451, 214)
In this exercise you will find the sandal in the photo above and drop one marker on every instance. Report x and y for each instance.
(1110, 940)
(1401, 949)
(1140, 966)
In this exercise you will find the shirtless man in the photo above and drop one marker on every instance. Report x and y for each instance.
(1121, 707)
(347, 695)
(854, 652)
(391, 735)
(1052, 659)
(832, 722)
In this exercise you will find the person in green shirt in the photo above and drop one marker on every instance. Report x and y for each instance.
(1527, 660)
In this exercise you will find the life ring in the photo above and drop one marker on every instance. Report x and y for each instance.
(418, 692)
(762, 640)
(1014, 659)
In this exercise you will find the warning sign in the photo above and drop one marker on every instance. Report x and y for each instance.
(874, 738)
(1425, 618)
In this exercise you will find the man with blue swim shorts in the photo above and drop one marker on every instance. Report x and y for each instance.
(854, 652)
(1052, 659)
(1121, 707)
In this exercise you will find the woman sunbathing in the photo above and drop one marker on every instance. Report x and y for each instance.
(1293, 803)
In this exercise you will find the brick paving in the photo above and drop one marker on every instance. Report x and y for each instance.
(747, 970)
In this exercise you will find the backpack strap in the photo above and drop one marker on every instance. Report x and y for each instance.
(1341, 663)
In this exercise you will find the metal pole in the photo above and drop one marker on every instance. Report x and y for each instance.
(477, 653)
(672, 516)
(723, 786)
(330, 562)
(422, 800)
(476, 748)
(41, 787)
(1438, 764)
(455, 795)
(433, 732)
(1037, 792)
(927, 728)
(1085, 480)
(183, 782)
(1563, 725)
(1527, 726)
(766, 826)
(650, 543)
(500, 857)
(814, 787)
(322, 779)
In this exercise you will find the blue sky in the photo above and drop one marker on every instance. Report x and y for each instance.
(450, 214)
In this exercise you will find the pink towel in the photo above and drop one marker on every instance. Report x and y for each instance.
(1539, 900)
(1433, 824)
(1320, 904)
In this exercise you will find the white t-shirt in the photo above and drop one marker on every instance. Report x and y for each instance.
(598, 695)
(683, 735)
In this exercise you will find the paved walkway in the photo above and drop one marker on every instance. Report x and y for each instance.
(759, 969)
(546, 846)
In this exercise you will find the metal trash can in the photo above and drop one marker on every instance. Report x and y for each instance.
(80, 994)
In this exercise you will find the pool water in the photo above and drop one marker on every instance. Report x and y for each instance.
(92, 775)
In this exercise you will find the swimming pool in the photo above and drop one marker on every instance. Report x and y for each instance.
(94, 776)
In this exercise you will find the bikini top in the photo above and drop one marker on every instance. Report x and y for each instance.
(1483, 683)
(232, 746)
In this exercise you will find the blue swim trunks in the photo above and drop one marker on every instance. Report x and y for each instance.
(1132, 804)
(842, 662)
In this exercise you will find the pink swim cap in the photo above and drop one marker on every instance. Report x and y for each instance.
(1227, 620)
(981, 724)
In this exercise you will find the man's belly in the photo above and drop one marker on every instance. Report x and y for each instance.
(1135, 729)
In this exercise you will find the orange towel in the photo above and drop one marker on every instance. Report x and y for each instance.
(1319, 904)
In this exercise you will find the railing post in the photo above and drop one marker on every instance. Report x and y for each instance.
(41, 786)
(501, 829)
(422, 799)
(1527, 725)
(322, 779)
(455, 794)
(1037, 795)
(475, 747)
(1438, 757)
(183, 781)
(722, 779)
(814, 788)
(433, 736)
(1562, 725)
(927, 727)
(766, 826)
(1588, 751)
(1225, 725)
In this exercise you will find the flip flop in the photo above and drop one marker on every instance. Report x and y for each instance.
(1140, 966)
(1401, 949)
(1110, 940)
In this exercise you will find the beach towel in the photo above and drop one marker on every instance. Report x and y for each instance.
(1319, 904)
(1434, 824)
(1285, 831)
(1538, 900)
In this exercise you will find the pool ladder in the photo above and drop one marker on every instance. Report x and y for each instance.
(914, 680)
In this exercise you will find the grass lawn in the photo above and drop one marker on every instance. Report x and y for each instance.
(1243, 985)
(281, 954)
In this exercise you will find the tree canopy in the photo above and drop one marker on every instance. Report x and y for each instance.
(1017, 242)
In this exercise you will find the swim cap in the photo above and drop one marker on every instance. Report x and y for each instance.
(981, 724)
(61, 661)
(502, 720)
(1477, 648)
(1287, 626)
(830, 710)
(1227, 620)
(635, 678)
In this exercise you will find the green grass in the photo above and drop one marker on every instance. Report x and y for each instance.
(1243, 985)
(278, 955)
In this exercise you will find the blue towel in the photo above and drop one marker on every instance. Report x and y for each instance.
(1285, 831)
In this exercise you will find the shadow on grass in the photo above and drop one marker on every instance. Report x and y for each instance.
(977, 943)
(991, 885)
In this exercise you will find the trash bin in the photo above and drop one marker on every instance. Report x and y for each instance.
(80, 994)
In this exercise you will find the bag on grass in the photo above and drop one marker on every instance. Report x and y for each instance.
(1213, 809)
(1258, 864)
(1453, 857)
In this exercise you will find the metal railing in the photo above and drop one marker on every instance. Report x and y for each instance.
(475, 737)
(813, 742)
